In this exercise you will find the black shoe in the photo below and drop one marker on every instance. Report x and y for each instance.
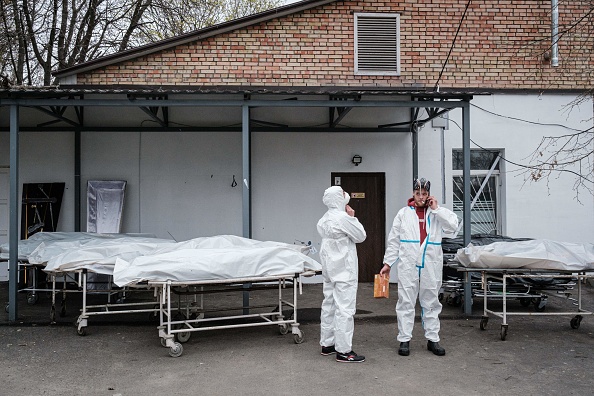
(349, 357)
(404, 349)
(329, 350)
(435, 348)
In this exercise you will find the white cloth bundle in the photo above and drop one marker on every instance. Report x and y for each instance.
(534, 254)
(214, 258)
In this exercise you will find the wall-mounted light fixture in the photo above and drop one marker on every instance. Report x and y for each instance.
(357, 159)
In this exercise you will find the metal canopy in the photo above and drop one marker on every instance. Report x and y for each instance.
(156, 101)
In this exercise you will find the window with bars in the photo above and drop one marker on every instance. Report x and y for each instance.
(377, 44)
(485, 192)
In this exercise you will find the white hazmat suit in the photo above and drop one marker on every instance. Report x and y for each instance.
(419, 267)
(338, 252)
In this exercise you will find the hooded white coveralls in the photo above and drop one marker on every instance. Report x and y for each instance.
(338, 253)
(419, 267)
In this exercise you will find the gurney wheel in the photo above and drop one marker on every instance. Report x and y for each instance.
(283, 328)
(82, 331)
(163, 342)
(484, 322)
(32, 298)
(154, 315)
(53, 314)
(503, 332)
(540, 305)
(454, 300)
(299, 337)
(183, 337)
(575, 322)
(176, 350)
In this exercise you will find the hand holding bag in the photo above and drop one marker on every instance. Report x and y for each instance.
(381, 286)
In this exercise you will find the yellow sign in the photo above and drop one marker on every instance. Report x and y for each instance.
(358, 195)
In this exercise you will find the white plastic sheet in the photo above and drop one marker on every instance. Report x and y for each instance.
(27, 246)
(214, 258)
(534, 254)
(212, 264)
(97, 256)
(141, 257)
(228, 241)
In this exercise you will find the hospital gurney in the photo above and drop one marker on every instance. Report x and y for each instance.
(550, 266)
(59, 284)
(452, 289)
(176, 326)
(229, 263)
(70, 258)
(504, 275)
(532, 291)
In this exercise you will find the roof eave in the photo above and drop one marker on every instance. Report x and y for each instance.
(197, 35)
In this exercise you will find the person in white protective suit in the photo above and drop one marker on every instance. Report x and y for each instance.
(414, 245)
(340, 231)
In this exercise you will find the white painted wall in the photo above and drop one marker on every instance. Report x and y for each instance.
(291, 172)
(186, 183)
(112, 156)
(536, 210)
(186, 179)
(180, 184)
(45, 158)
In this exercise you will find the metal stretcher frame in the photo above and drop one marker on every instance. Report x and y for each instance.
(79, 278)
(526, 293)
(175, 331)
(33, 289)
(505, 274)
(31, 285)
(150, 307)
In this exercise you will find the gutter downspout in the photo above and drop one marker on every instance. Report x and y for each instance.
(554, 33)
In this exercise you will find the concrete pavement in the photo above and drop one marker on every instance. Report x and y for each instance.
(122, 355)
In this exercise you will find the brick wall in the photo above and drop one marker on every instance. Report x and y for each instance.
(501, 45)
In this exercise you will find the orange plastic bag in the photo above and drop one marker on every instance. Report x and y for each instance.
(381, 286)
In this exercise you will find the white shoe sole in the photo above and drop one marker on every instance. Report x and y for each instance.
(350, 361)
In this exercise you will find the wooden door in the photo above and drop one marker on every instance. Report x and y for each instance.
(368, 199)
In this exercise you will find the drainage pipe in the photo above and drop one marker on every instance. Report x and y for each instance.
(554, 33)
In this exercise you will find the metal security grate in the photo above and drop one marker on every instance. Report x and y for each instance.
(483, 213)
(377, 44)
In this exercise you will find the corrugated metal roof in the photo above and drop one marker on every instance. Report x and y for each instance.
(64, 91)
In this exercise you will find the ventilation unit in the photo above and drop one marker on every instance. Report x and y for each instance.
(377, 44)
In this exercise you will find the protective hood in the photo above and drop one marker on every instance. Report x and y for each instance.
(334, 198)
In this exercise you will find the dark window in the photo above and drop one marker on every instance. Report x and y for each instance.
(479, 159)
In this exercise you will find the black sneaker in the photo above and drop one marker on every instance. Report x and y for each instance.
(349, 357)
(435, 348)
(329, 350)
(404, 349)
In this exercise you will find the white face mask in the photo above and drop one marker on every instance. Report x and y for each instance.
(347, 197)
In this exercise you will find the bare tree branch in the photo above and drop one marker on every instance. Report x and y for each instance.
(43, 35)
(139, 10)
